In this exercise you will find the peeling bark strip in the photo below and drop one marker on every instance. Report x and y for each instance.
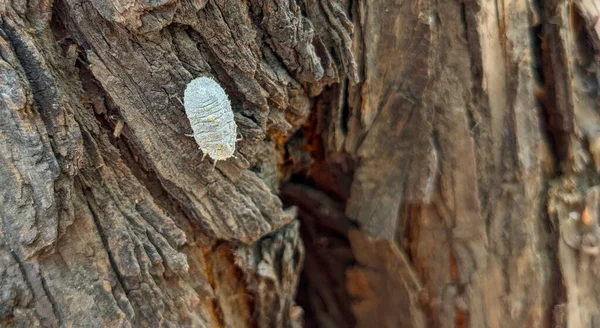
(444, 156)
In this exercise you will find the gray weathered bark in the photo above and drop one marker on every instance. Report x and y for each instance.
(439, 158)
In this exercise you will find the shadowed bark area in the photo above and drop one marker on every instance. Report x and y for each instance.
(403, 163)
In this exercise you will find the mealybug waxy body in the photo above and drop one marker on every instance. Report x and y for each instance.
(208, 108)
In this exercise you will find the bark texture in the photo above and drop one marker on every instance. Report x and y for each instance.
(403, 164)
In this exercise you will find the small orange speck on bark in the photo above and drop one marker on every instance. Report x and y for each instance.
(586, 218)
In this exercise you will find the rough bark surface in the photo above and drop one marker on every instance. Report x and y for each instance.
(403, 164)
(109, 218)
(462, 170)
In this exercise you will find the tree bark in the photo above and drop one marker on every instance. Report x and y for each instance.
(403, 164)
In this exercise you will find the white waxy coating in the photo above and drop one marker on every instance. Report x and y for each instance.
(208, 108)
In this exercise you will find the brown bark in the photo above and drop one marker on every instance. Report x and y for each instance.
(428, 163)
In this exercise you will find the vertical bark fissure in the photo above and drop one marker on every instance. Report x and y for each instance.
(45, 102)
(51, 299)
(103, 237)
(48, 296)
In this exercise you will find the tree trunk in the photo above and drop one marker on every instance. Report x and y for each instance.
(403, 164)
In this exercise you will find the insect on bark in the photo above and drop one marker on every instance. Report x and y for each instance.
(208, 108)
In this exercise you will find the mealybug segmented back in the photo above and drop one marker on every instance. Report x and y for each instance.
(209, 110)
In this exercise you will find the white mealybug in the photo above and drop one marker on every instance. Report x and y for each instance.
(209, 110)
